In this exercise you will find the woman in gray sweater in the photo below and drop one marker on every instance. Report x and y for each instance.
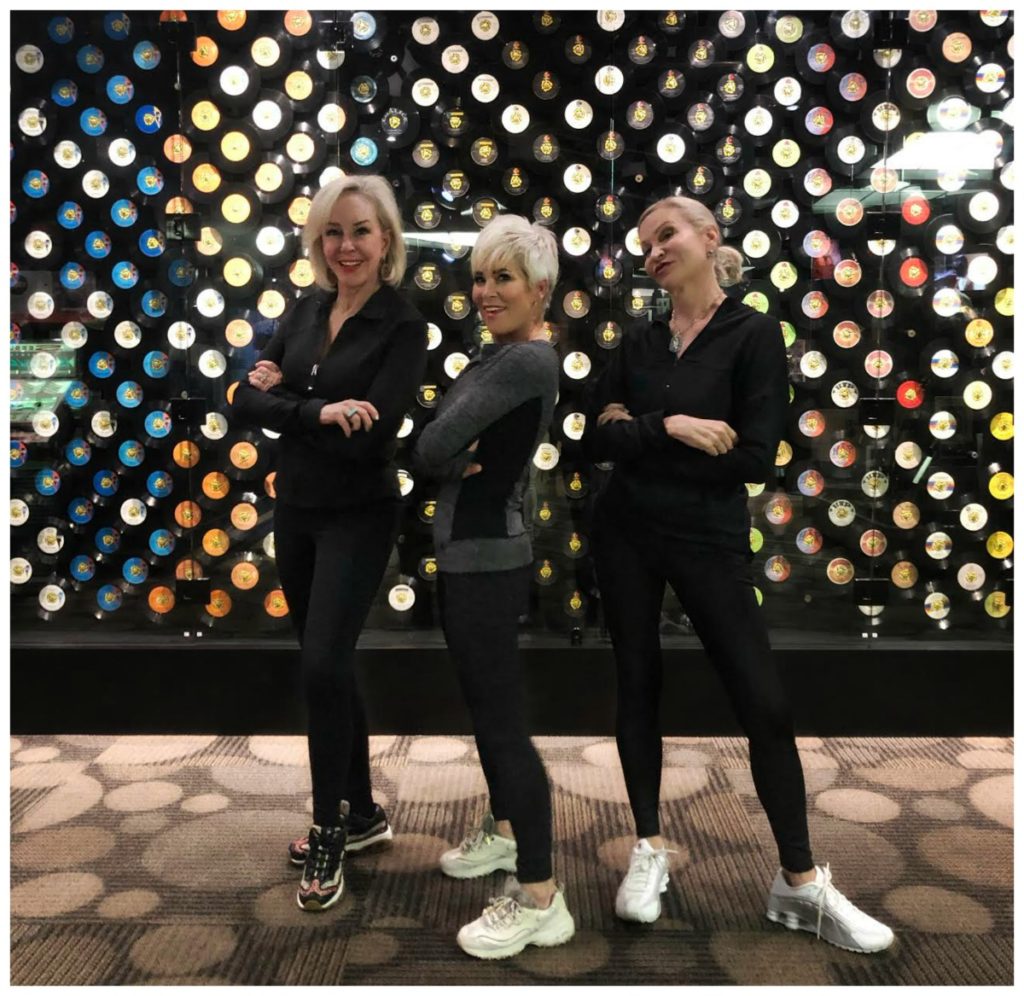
(479, 448)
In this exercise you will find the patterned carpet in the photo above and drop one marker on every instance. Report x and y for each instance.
(161, 860)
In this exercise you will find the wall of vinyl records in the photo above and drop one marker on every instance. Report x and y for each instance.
(162, 165)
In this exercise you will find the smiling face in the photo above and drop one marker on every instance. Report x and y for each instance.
(511, 308)
(675, 253)
(354, 244)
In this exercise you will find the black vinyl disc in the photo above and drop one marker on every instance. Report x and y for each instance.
(452, 124)
(983, 211)
(304, 86)
(428, 160)
(815, 57)
(736, 30)
(883, 120)
(237, 206)
(670, 149)
(306, 149)
(367, 152)
(238, 147)
(400, 123)
(734, 152)
(273, 178)
(242, 275)
(271, 117)
(231, 28)
(852, 30)
(707, 117)
(914, 83)
(909, 272)
(847, 153)
(271, 51)
(370, 93)
(235, 87)
(950, 46)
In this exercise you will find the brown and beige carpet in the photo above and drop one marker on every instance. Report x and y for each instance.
(162, 860)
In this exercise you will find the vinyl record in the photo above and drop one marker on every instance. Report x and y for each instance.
(914, 84)
(304, 86)
(815, 57)
(883, 120)
(234, 86)
(271, 116)
(983, 211)
(231, 28)
(201, 117)
(236, 206)
(306, 149)
(429, 161)
(950, 47)
(400, 123)
(737, 30)
(908, 272)
(733, 211)
(847, 152)
(734, 152)
(452, 124)
(369, 92)
(303, 28)
(237, 149)
(271, 52)
(367, 152)
(273, 178)
(852, 30)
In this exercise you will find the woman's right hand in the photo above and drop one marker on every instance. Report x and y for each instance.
(615, 411)
(709, 435)
(350, 414)
(265, 375)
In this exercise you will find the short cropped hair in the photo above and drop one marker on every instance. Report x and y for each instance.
(511, 240)
(728, 261)
(378, 192)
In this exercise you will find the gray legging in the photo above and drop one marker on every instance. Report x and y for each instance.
(479, 613)
(714, 589)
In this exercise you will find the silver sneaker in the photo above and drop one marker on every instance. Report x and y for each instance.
(481, 852)
(511, 921)
(639, 895)
(822, 909)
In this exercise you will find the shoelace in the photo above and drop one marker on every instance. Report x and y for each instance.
(839, 901)
(320, 858)
(640, 867)
(502, 910)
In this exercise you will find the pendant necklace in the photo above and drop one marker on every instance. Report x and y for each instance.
(677, 337)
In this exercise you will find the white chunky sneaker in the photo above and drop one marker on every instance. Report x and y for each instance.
(512, 921)
(822, 909)
(482, 851)
(639, 895)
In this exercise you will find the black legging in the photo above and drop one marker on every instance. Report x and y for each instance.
(479, 613)
(330, 562)
(715, 591)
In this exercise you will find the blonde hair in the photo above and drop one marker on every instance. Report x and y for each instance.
(510, 240)
(378, 192)
(728, 261)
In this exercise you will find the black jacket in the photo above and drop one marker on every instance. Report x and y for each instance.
(378, 356)
(735, 370)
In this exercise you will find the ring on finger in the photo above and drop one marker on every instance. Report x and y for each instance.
(349, 412)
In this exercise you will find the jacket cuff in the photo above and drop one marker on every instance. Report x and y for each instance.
(309, 413)
(654, 427)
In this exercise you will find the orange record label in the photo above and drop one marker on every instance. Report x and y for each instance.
(216, 485)
(216, 542)
(161, 599)
(268, 484)
(245, 575)
(275, 604)
(188, 514)
(220, 604)
(244, 455)
(244, 516)
(188, 570)
(186, 454)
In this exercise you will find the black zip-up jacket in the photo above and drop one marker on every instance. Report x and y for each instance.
(378, 356)
(736, 371)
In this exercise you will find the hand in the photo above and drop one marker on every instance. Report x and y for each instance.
(472, 468)
(709, 435)
(614, 412)
(350, 414)
(265, 375)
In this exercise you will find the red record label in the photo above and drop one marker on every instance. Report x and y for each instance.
(910, 394)
(914, 271)
(916, 210)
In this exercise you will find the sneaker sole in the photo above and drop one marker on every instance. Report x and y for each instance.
(352, 847)
(562, 937)
(792, 922)
(478, 871)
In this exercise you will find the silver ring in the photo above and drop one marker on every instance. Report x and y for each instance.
(351, 411)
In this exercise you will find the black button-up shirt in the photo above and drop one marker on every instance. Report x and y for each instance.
(735, 371)
(379, 356)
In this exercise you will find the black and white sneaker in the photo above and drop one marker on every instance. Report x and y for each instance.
(363, 831)
(323, 876)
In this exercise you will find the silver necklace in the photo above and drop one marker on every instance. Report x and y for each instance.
(677, 337)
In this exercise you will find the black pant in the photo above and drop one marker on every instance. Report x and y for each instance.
(479, 613)
(330, 562)
(715, 591)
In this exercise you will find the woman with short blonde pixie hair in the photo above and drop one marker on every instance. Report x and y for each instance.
(378, 192)
(511, 240)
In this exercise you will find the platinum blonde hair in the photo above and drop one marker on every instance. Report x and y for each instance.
(728, 261)
(512, 241)
(378, 192)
